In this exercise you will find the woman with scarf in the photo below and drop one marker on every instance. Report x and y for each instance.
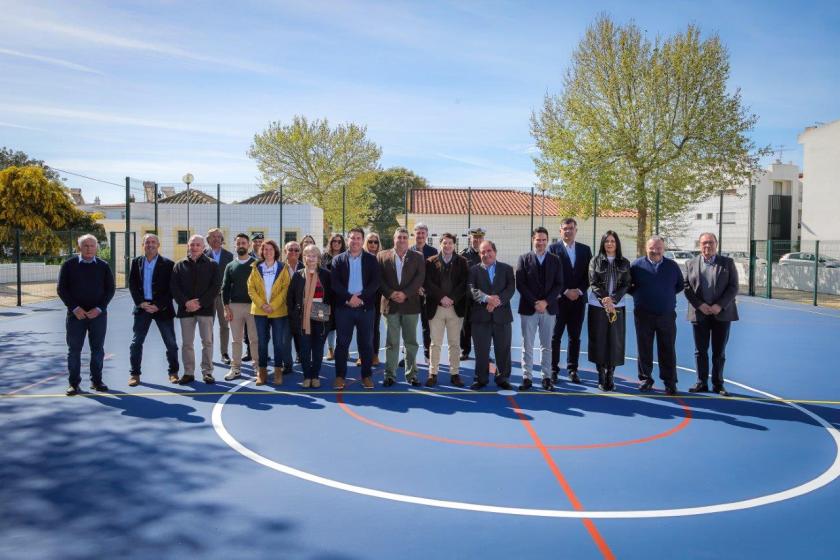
(310, 313)
(609, 278)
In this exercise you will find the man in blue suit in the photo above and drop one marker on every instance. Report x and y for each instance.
(355, 282)
(571, 305)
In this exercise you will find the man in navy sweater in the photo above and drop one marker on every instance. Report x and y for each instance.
(656, 283)
(86, 286)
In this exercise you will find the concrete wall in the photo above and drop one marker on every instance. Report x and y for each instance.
(821, 197)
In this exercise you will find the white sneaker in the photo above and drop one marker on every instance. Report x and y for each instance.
(232, 375)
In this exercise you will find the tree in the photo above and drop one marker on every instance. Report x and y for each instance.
(41, 208)
(314, 161)
(635, 116)
(9, 157)
(387, 191)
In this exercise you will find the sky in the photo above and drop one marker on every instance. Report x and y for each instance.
(153, 89)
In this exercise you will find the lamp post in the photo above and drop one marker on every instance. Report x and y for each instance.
(188, 179)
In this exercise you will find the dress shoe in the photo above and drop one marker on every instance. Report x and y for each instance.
(431, 381)
(574, 377)
(700, 387)
(477, 386)
(316, 383)
(186, 379)
(670, 390)
(247, 358)
(209, 379)
(72, 390)
(464, 357)
(173, 378)
(338, 384)
(554, 375)
(547, 384)
(226, 359)
(307, 383)
(455, 380)
(98, 386)
(134, 381)
(232, 375)
(504, 384)
(330, 354)
(414, 382)
(720, 391)
(389, 381)
(367, 382)
(525, 385)
(646, 385)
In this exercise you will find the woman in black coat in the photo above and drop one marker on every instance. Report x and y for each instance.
(609, 278)
(310, 290)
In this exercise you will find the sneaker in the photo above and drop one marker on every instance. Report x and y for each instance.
(186, 379)
(134, 381)
(173, 378)
(247, 358)
(98, 386)
(72, 390)
(226, 359)
(232, 375)
(207, 378)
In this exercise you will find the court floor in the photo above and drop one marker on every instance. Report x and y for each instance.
(236, 471)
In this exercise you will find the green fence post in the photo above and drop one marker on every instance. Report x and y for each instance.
(768, 288)
(469, 209)
(127, 248)
(594, 216)
(532, 213)
(219, 205)
(816, 269)
(112, 258)
(344, 210)
(405, 201)
(720, 223)
(751, 272)
(281, 215)
(18, 266)
(156, 210)
(657, 211)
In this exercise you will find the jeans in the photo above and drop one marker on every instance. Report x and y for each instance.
(276, 330)
(312, 349)
(166, 327)
(77, 330)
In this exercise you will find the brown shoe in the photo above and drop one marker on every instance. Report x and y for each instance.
(134, 381)
(456, 380)
(367, 382)
(330, 354)
(376, 361)
(278, 376)
(262, 376)
(173, 378)
(338, 385)
(431, 381)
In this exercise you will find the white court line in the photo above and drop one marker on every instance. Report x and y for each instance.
(823, 479)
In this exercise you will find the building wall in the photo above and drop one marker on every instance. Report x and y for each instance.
(821, 197)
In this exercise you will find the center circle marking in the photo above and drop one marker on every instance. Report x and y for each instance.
(828, 476)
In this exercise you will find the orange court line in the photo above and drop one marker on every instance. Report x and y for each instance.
(564, 484)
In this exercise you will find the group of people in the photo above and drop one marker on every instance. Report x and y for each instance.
(301, 297)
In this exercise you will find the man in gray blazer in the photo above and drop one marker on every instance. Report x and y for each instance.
(491, 285)
(402, 272)
(711, 284)
(222, 257)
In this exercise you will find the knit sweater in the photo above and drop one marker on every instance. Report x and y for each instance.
(655, 289)
(235, 283)
(85, 285)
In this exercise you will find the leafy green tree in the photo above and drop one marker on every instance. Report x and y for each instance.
(636, 115)
(313, 161)
(9, 158)
(387, 190)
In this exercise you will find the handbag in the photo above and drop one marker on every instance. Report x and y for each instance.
(320, 312)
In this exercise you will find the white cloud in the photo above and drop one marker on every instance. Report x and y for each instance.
(50, 60)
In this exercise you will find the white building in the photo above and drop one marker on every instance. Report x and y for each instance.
(821, 160)
(778, 202)
(505, 214)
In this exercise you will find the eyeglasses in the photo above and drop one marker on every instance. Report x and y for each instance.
(372, 242)
(293, 250)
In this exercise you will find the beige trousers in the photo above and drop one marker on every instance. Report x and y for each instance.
(224, 329)
(205, 331)
(445, 319)
(241, 320)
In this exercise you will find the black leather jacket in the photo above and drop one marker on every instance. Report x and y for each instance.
(598, 277)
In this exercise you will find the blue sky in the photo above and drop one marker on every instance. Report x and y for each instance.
(153, 89)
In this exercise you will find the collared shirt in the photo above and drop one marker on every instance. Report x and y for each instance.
(399, 262)
(655, 264)
(148, 271)
(709, 262)
(570, 251)
(216, 256)
(540, 257)
(354, 283)
(491, 271)
(83, 261)
(447, 260)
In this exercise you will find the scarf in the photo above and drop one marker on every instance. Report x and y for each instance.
(308, 295)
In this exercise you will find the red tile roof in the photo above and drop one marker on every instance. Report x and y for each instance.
(490, 202)
(195, 196)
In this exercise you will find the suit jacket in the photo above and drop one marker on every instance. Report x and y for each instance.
(161, 289)
(340, 278)
(413, 275)
(458, 271)
(224, 259)
(725, 288)
(574, 277)
(528, 282)
(504, 286)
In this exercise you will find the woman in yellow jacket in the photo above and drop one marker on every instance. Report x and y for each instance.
(268, 285)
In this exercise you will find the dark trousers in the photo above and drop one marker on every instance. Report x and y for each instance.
(298, 350)
(275, 330)
(500, 335)
(570, 316)
(664, 329)
(312, 349)
(466, 333)
(427, 332)
(705, 329)
(166, 327)
(346, 319)
(377, 317)
(77, 331)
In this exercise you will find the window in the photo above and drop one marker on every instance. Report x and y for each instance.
(777, 187)
(728, 218)
(289, 236)
(698, 217)
(708, 215)
(183, 236)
